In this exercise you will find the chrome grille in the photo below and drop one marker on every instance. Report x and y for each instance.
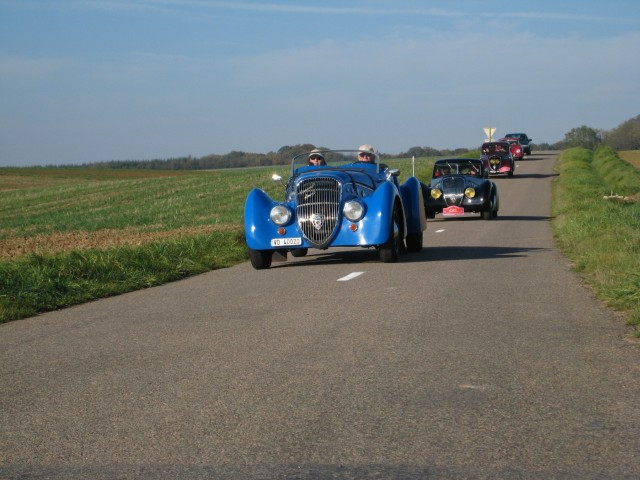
(318, 208)
(453, 191)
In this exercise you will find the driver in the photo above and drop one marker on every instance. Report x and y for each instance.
(315, 158)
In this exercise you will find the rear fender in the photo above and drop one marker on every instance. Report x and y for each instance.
(413, 202)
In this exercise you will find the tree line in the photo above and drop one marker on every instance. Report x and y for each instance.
(624, 137)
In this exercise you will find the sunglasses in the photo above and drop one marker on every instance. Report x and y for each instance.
(365, 155)
(316, 157)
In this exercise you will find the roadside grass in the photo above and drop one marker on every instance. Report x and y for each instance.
(601, 237)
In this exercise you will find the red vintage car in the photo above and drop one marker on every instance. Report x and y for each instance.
(516, 149)
(497, 158)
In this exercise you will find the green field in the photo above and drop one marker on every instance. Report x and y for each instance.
(72, 235)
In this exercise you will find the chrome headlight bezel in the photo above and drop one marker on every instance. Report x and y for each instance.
(353, 210)
(280, 215)
(469, 192)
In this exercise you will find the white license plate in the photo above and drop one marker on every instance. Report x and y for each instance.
(286, 242)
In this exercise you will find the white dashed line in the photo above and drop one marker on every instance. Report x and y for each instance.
(351, 276)
(440, 231)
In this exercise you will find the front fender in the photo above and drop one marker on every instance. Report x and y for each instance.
(256, 219)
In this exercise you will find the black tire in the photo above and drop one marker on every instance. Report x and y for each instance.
(260, 259)
(414, 242)
(492, 211)
(299, 252)
(510, 174)
(390, 251)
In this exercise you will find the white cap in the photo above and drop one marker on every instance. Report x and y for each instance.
(366, 148)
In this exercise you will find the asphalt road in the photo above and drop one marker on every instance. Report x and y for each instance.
(480, 357)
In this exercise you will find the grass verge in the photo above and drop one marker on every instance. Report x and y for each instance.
(601, 237)
(37, 283)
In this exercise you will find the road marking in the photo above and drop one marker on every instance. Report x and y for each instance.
(473, 387)
(351, 276)
(440, 231)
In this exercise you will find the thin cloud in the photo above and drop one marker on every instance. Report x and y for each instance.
(168, 6)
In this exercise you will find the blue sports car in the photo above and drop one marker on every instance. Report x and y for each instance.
(336, 198)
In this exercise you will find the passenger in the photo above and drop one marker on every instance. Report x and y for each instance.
(316, 159)
(366, 154)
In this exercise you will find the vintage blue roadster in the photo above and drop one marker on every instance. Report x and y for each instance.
(336, 198)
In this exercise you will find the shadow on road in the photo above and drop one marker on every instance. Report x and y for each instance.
(475, 217)
(532, 175)
(530, 218)
(428, 254)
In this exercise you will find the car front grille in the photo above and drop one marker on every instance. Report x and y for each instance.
(318, 208)
(453, 191)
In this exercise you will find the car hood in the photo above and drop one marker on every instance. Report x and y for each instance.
(448, 179)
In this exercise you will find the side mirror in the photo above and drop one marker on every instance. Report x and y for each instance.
(393, 172)
(276, 178)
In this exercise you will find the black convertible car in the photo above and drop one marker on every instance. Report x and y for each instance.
(459, 186)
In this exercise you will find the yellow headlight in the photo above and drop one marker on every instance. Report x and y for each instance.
(469, 192)
(435, 193)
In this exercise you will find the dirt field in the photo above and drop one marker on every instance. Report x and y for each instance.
(631, 156)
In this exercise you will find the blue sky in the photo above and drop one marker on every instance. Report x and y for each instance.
(86, 80)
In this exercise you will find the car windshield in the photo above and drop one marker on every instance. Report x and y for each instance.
(457, 167)
(323, 159)
(520, 136)
(489, 148)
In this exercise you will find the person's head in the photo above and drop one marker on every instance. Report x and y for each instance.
(365, 153)
(316, 158)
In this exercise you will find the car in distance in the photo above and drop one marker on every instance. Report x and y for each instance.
(459, 186)
(344, 203)
(524, 140)
(516, 149)
(497, 158)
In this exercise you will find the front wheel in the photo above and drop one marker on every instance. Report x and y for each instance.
(299, 252)
(492, 211)
(390, 251)
(260, 259)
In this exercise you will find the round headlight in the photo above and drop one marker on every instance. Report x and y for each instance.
(353, 210)
(469, 192)
(436, 193)
(280, 215)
